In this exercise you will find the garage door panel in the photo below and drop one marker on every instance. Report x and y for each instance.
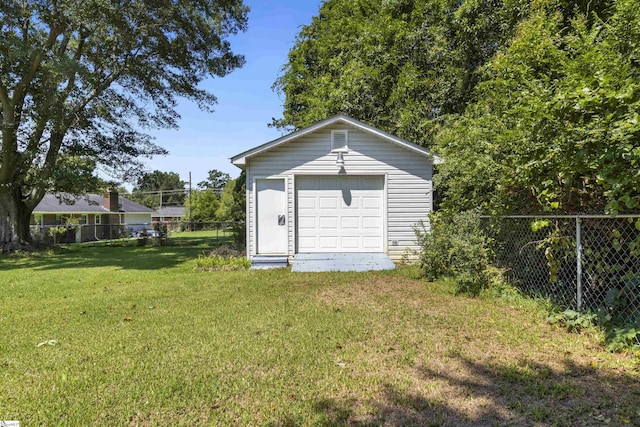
(373, 183)
(350, 242)
(340, 214)
(328, 242)
(372, 203)
(307, 244)
(371, 243)
(372, 222)
(350, 222)
(307, 202)
(328, 222)
(326, 183)
(306, 184)
(307, 223)
(350, 202)
(327, 202)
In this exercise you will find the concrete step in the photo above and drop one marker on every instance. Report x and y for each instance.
(264, 262)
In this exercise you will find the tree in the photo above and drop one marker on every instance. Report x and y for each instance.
(397, 65)
(532, 103)
(232, 203)
(202, 206)
(233, 207)
(157, 188)
(207, 205)
(80, 80)
(557, 123)
(215, 181)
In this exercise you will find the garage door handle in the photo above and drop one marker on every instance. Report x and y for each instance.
(281, 220)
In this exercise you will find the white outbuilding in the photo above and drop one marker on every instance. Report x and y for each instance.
(337, 187)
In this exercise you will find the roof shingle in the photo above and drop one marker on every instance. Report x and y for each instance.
(88, 203)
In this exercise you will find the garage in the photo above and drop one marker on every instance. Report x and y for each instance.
(340, 213)
(339, 195)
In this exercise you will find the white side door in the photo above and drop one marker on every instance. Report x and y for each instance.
(272, 228)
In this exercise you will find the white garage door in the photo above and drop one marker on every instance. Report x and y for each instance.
(340, 213)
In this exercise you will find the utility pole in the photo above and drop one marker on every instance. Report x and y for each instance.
(190, 205)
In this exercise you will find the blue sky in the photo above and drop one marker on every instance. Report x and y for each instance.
(246, 102)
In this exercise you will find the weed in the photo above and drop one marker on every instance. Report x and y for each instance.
(214, 262)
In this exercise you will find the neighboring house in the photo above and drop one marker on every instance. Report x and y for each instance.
(337, 186)
(168, 215)
(98, 217)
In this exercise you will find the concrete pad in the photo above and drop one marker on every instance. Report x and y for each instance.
(320, 262)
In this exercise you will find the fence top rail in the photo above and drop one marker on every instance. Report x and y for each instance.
(561, 216)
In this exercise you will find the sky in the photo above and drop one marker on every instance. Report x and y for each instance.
(246, 103)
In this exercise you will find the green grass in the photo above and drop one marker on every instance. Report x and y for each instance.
(142, 338)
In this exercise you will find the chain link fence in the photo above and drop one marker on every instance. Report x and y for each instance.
(218, 231)
(585, 263)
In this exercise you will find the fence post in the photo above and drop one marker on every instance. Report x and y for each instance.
(579, 262)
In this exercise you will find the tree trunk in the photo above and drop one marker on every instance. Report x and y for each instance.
(14, 220)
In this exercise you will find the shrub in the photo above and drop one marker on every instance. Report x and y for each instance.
(456, 247)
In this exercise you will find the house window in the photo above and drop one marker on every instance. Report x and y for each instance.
(339, 141)
(60, 220)
(84, 219)
(98, 219)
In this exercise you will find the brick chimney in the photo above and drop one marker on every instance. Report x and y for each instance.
(111, 200)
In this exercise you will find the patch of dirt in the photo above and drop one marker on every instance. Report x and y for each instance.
(228, 251)
(438, 359)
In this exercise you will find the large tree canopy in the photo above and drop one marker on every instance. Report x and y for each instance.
(557, 122)
(533, 104)
(85, 79)
(396, 65)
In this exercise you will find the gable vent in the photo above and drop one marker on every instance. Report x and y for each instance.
(339, 140)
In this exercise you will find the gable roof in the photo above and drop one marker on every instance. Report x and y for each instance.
(240, 160)
(88, 203)
(172, 211)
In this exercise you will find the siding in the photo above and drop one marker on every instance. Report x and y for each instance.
(137, 218)
(408, 180)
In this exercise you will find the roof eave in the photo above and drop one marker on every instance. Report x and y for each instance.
(240, 160)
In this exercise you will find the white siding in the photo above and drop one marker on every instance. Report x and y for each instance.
(408, 180)
(137, 218)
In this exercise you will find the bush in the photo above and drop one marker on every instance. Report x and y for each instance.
(455, 247)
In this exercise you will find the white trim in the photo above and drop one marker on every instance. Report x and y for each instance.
(385, 215)
(247, 201)
(295, 212)
(344, 148)
(240, 160)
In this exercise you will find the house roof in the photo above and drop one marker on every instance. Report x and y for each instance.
(240, 160)
(172, 211)
(88, 203)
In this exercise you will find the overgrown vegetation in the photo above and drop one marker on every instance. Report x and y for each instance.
(533, 104)
(223, 258)
(455, 246)
(618, 336)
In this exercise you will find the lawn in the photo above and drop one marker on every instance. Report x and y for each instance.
(135, 336)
